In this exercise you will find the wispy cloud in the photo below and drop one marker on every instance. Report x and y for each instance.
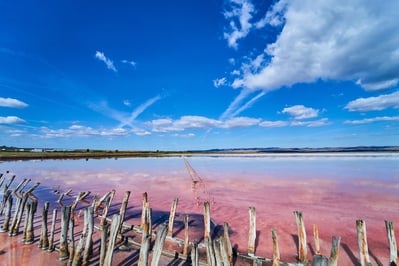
(129, 62)
(372, 120)
(82, 131)
(317, 37)
(239, 16)
(374, 103)
(9, 120)
(12, 103)
(299, 112)
(139, 110)
(219, 82)
(108, 62)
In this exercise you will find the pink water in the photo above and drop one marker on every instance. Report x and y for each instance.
(332, 191)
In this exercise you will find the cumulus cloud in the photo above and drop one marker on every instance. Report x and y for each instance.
(374, 103)
(372, 120)
(239, 16)
(299, 112)
(13, 103)
(108, 62)
(219, 82)
(330, 40)
(9, 120)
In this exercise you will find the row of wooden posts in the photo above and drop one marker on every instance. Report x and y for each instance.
(218, 251)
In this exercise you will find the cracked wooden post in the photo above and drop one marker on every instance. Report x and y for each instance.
(393, 249)
(195, 255)
(186, 242)
(207, 220)
(30, 235)
(88, 249)
(3, 204)
(218, 255)
(18, 215)
(7, 186)
(112, 239)
(210, 252)
(143, 209)
(319, 260)
(123, 210)
(43, 241)
(223, 251)
(145, 241)
(79, 249)
(362, 242)
(333, 260)
(106, 208)
(6, 223)
(316, 239)
(276, 249)
(103, 247)
(25, 230)
(51, 246)
(227, 242)
(172, 217)
(252, 231)
(66, 217)
(71, 232)
(158, 246)
(302, 249)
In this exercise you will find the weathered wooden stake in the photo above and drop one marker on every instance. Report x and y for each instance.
(210, 252)
(103, 247)
(276, 249)
(18, 217)
(333, 260)
(218, 256)
(6, 195)
(149, 218)
(186, 243)
(158, 246)
(145, 245)
(6, 224)
(207, 220)
(88, 250)
(393, 249)
(319, 260)
(66, 217)
(227, 242)
(106, 208)
(225, 257)
(30, 235)
(316, 239)
(112, 239)
(302, 249)
(195, 255)
(362, 242)
(43, 241)
(51, 246)
(71, 242)
(172, 217)
(123, 210)
(143, 210)
(32, 188)
(7, 186)
(25, 230)
(77, 259)
(252, 231)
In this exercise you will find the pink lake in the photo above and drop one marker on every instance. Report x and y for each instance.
(332, 191)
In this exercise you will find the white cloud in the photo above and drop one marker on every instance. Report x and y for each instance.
(239, 17)
(372, 120)
(300, 112)
(219, 82)
(132, 63)
(8, 120)
(108, 62)
(312, 123)
(82, 131)
(13, 103)
(331, 39)
(374, 103)
(127, 103)
(240, 122)
(139, 110)
(274, 124)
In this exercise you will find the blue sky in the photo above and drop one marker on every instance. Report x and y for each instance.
(201, 74)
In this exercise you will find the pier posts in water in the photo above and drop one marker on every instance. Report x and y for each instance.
(252, 231)
(51, 246)
(276, 250)
(172, 217)
(43, 240)
(333, 260)
(112, 238)
(158, 246)
(393, 249)
(207, 220)
(302, 249)
(186, 242)
(143, 209)
(362, 243)
(65, 218)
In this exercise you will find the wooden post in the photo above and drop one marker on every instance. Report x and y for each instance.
(71, 242)
(43, 241)
(33, 188)
(112, 239)
(194, 255)
(78, 253)
(30, 236)
(88, 250)
(66, 217)
(25, 230)
(252, 231)
(218, 255)
(103, 248)
(207, 220)
(145, 245)
(3, 204)
(106, 208)
(18, 215)
(158, 246)
(302, 249)
(123, 209)
(143, 209)
(223, 251)
(6, 224)
(148, 218)
(333, 261)
(319, 260)
(185, 247)
(362, 242)
(172, 217)
(7, 186)
(276, 250)
(210, 252)
(227, 242)
(316, 239)
(51, 246)
(393, 249)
